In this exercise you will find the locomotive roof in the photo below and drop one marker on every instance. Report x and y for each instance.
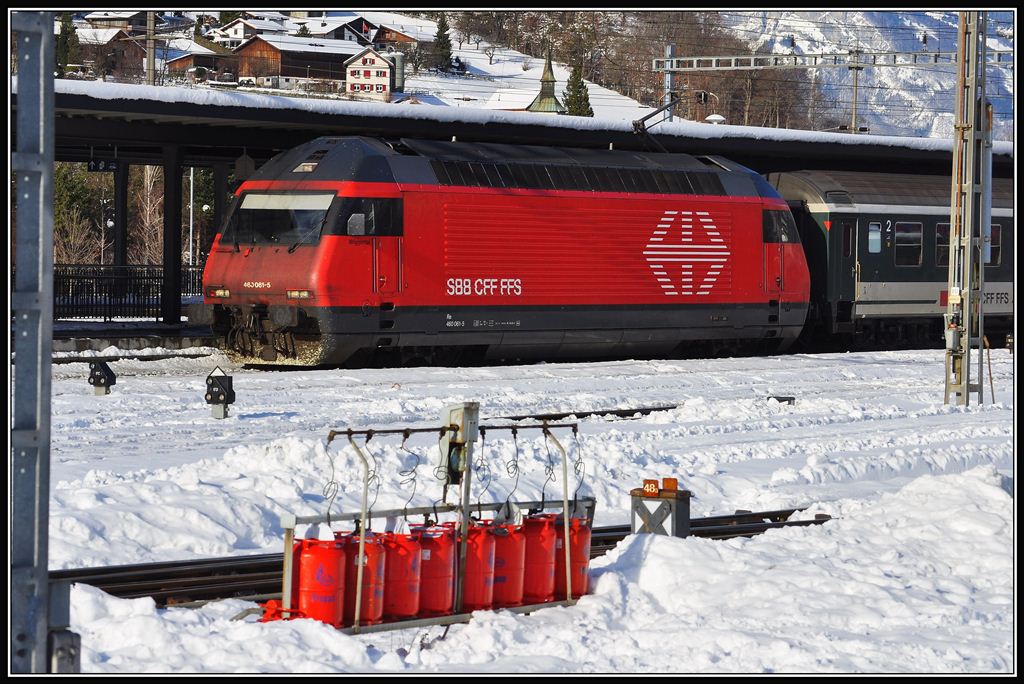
(883, 188)
(535, 154)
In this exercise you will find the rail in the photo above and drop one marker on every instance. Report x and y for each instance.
(259, 578)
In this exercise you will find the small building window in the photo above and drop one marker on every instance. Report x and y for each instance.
(380, 88)
(354, 73)
(874, 237)
(908, 243)
(354, 87)
(942, 244)
(382, 74)
(366, 74)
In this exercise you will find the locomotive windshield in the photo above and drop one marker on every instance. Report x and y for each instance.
(289, 219)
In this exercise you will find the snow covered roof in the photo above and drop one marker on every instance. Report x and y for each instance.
(298, 44)
(370, 50)
(259, 25)
(684, 129)
(91, 36)
(111, 15)
(189, 46)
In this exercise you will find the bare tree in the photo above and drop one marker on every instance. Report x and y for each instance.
(74, 242)
(146, 243)
(489, 51)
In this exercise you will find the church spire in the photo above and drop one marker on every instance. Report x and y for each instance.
(546, 101)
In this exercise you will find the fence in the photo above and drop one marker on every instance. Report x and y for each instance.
(110, 292)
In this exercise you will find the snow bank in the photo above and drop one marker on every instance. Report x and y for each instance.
(916, 581)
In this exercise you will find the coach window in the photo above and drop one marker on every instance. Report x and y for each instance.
(874, 237)
(908, 243)
(996, 251)
(942, 244)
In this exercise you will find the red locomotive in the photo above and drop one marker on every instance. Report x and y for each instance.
(350, 248)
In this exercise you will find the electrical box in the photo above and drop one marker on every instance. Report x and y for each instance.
(661, 510)
(455, 443)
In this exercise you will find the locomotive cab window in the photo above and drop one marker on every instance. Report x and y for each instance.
(370, 216)
(909, 243)
(269, 218)
(779, 226)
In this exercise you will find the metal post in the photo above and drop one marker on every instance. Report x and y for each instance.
(465, 417)
(565, 512)
(670, 51)
(971, 194)
(288, 570)
(170, 293)
(32, 311)
(150, 48)
(362, 534)
(856, 72)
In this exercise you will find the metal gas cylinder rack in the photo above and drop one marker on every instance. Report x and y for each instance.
(458, 433)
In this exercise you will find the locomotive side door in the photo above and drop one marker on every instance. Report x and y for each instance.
(774, 258)
(387, 266)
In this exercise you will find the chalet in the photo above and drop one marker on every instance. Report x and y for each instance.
(372, 76)
(184, 55)
(129, 22)
(401, 36)
(111, 52)
(293, 62)
(357, 30)
(234, 33)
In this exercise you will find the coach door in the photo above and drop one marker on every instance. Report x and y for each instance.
(847, 267)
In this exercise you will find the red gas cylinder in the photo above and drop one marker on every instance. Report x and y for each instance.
(402, 575)
(509, 563)
(437, 570)
(539, 567)
(478, 585)
(579, 556)
(321, 580)
(371, 607)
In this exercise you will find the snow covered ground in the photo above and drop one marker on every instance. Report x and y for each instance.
(914, 575)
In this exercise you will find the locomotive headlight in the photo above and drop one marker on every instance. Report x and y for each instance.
(221, 292)
(299, 294)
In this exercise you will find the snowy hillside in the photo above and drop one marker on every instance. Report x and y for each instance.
(506, 80)
(892, 101)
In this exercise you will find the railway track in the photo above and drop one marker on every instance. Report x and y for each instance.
(259, 577)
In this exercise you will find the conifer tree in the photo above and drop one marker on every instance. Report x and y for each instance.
(303, 31)
(576, 97)
(67, 49)
(442, 45)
